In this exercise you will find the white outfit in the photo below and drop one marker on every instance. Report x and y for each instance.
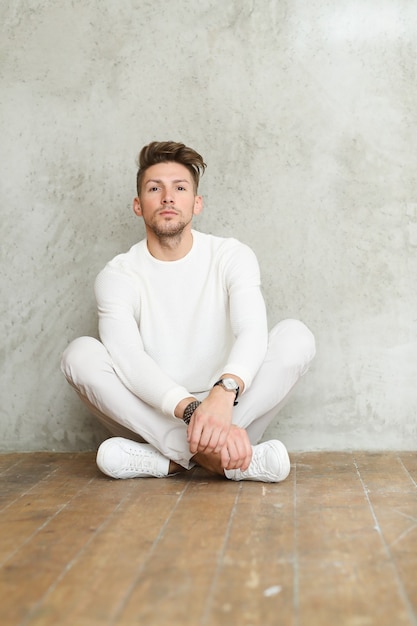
(168, 331)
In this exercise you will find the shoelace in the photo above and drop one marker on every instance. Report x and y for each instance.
(142, 462)
(257, 467)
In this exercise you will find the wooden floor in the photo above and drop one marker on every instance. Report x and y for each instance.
(335, 544)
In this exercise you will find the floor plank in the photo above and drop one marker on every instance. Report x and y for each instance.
(391, 491)
(103, 572)
(254, 582)
(35, 494)
(336, 543)
(173, 586)
(344, 569)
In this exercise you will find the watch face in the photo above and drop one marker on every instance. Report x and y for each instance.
(229, 383)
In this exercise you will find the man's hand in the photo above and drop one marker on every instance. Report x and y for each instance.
(210, 423)
(237, 452)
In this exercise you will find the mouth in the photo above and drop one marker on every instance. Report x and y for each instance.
(168, 213)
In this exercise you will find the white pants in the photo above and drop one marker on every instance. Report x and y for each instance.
(88, 367)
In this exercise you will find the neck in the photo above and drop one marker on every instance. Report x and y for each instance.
(170, 247)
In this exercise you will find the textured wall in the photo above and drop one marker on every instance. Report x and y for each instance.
(306, 113)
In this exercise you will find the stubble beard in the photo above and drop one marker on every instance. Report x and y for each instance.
(170, 233)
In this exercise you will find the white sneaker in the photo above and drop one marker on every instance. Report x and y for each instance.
(122, 458)
(270, 464)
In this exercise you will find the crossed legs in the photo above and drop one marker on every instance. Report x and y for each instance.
(88, 368)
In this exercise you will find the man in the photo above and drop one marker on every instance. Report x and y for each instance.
(185, 372)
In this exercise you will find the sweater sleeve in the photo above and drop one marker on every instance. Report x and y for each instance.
(118, 304)
(247, 314)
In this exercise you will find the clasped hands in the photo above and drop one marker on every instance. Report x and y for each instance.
(211, 431)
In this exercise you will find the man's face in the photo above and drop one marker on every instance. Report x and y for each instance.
(167, 200)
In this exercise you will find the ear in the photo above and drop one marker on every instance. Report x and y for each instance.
(136, 207)
(198, 205)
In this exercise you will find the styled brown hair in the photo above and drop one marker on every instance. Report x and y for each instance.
(163, 151)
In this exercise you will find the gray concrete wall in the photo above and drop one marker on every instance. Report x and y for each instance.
(306, 113)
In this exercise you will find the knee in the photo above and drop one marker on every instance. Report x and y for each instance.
(76, 359)
(296, 343)
(302, 337)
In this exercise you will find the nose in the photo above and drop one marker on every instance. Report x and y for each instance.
(167, 197)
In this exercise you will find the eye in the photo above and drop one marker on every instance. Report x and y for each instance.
(181, 188)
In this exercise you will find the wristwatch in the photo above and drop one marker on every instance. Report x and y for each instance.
(229, 384)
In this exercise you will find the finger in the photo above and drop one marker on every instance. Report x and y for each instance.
(190, 428)
(247, 458)
(213, 439)
(221, 440)
(240, 452)
(194, 436)
(215, 443)
(246, 461)
(224, 458)
(234, 456)
(205, 443)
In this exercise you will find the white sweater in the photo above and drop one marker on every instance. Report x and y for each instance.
(172, 328)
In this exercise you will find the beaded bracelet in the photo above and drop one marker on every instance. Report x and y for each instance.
(189, 410)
